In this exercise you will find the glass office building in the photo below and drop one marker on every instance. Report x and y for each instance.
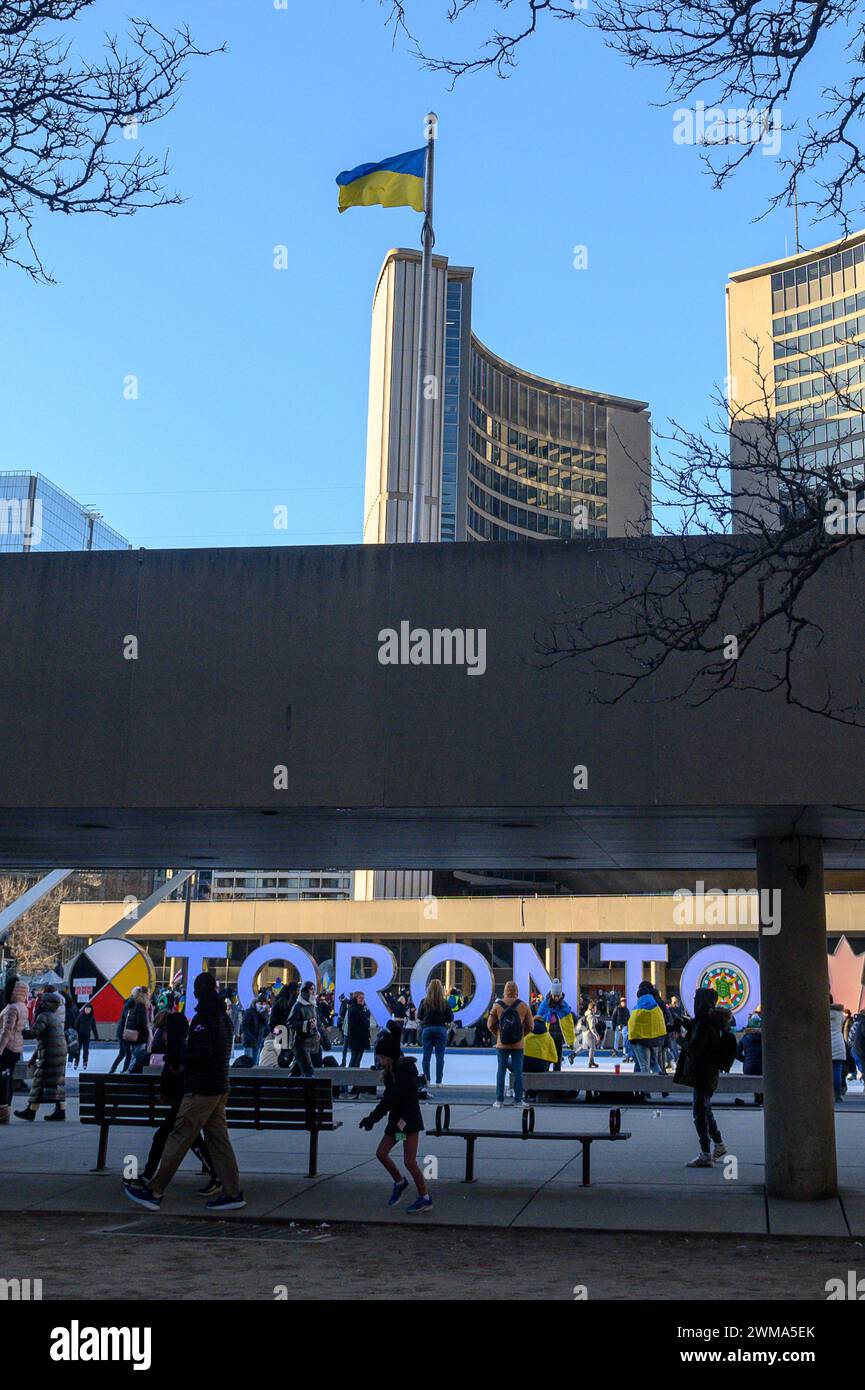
(796, 351)
(516, 456)
(38, 516)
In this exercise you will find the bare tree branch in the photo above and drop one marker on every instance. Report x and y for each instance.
(68, 126)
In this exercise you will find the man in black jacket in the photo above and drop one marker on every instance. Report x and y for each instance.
(208, 1054)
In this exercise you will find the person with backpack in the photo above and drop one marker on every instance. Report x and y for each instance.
(435, 1017)
(558, 1015)
(85, 1029)
(510, 1021)
(401, 1104)
(709, 1048)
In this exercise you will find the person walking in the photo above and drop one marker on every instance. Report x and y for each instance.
(303, 1028)
(435, 1017)
(619, 1017)
(400, 1103)
(85, 1028)
(124, 1050)
(557, 1014)
(709, 1048)
(170, 1039)
(49, 1077)
(205, 1093)
(647, 1030)
(839, 1047)
(510, 1021)
(14, 1018)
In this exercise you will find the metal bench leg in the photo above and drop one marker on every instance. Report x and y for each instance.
(470, 1160)
(313, 1153)
(102, 1153)
(587, 1150)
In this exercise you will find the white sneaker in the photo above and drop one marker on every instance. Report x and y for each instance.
(522, 1105)
(719, 1150)
(497, 1105)
(704, 1161)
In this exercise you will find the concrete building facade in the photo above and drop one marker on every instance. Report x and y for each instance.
(516, 456)
(795, 362)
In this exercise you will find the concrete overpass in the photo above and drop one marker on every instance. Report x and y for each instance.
(215, 707)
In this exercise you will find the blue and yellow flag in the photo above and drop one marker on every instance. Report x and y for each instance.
(396, 182)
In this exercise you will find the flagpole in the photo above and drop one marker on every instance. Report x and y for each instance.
(423, 403)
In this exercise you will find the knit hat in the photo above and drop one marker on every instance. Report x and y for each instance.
(556, 987)
(387, 1044)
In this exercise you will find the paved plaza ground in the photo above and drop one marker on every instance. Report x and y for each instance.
(700, 1233)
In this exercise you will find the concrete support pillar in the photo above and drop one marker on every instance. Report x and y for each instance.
(799, 1113)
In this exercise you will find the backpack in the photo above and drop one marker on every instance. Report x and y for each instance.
(510, 1025)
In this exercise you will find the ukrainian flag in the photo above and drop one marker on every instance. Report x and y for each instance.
(396, 182)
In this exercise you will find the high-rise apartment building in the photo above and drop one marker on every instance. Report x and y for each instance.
(38, 516)
(516, 456)
(796, 356)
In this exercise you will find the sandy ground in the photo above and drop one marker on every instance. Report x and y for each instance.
(158, 1257)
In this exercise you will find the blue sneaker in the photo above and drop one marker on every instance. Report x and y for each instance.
(398, 1189)
(420, 1204)
(140, 1193)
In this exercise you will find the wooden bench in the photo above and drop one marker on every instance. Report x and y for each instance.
(267, 1100)
(443, 1130)
(591, 1082)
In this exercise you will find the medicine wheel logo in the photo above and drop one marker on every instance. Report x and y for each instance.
(729, 982)
(106, 973)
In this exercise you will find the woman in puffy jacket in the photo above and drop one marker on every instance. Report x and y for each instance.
(49, 1077)
(13, 1020)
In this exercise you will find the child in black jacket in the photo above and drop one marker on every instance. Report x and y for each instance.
(404, 1119)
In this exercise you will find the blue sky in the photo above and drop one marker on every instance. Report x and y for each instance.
(253, 382)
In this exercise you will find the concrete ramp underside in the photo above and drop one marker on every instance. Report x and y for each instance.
(230, 707)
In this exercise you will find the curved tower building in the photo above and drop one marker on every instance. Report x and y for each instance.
(519, 457)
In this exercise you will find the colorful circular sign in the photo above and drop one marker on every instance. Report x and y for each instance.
(734, 973)
(105, 974)
(731, 984)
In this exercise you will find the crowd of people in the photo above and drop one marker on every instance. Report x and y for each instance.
(295, 1027)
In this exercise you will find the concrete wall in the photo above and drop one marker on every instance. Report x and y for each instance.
(252, 659)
